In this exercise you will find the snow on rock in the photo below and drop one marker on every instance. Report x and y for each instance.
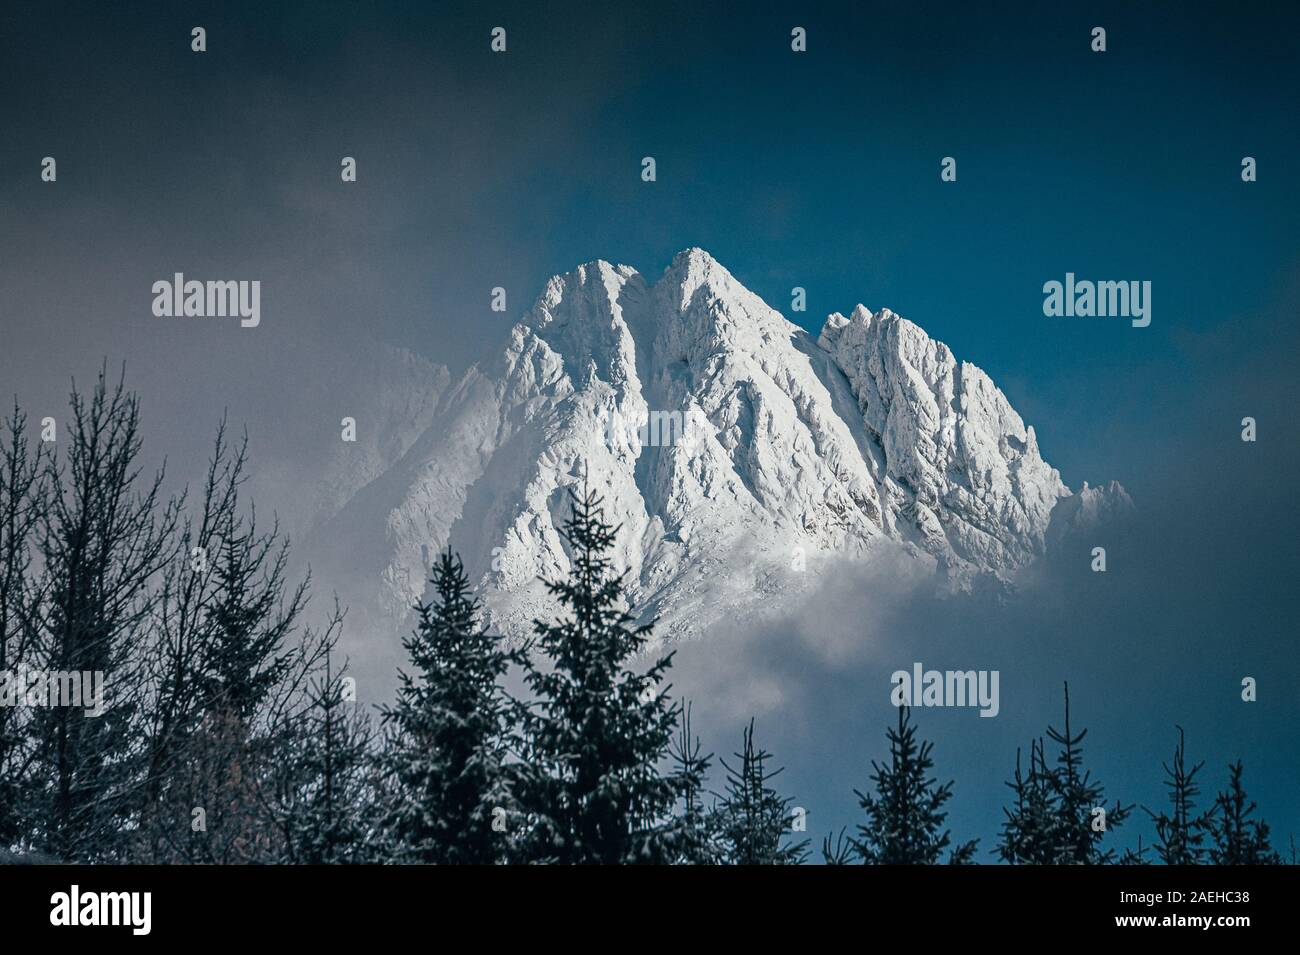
(958, 456)
(741, 457)
(1091, 508)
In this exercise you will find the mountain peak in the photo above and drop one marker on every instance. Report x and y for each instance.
(693, 269)
(713, 309)
(694, 257)
(723, 439)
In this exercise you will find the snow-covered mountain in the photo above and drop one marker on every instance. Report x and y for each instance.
(742, 457)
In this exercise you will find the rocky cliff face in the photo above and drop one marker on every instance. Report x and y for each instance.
(741, 457)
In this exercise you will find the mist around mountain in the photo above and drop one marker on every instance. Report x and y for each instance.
(743, 459)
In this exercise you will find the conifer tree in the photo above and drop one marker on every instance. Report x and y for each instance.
(1078, 797)
(448, 750)
(1060, 816)
(697, 836)
(1237, 839)
(324, 790)
(1029, 831)
(248, 681)
(752, 817)
(230, 671)
(1181, 832)
(181, 632)
(905, 812)
(839, 852)
(247, 653)
(1136, 856)
(599, 731)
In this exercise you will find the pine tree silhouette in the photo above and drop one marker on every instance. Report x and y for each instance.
(1060, 816)
(1078, 797)
(1182, 831)
(839, 852)
(599, 730)
(1029, 829)
(905, 813)
(247, 653)
(696, 830)
(1136, 856)
(1236, 839)
(448, 751)
(323, 794)
(224, 665)
(243, 676)
(752, 818)
(181, 631)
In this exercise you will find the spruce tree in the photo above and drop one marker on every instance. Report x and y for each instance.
(249, 676)
(1237, 839)
(1060, 816)
(697, 838)
(230, 671)
(599, 731)
(752, 817)
(249, 622)
(1136, 856)
(905, 813)
(1029, 831)
(1078, 797)
(839, 852)
(447, 752)
(324, 791)
(1181, 832)
(181, 632)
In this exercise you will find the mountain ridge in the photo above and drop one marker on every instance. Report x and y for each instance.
(793, 455)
